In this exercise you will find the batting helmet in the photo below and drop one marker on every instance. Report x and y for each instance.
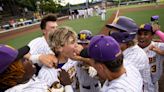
(127, 29)
(84, 36)
(124, 24)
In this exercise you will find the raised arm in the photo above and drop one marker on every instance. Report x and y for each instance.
(156, 29)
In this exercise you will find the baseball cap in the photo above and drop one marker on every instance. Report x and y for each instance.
(103, 48)
(146, 27)
(124, 24)
(155, 17)
(84, 36)
(9, 54)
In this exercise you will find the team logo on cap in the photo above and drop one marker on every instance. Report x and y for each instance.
(142, 26)
(83, 36)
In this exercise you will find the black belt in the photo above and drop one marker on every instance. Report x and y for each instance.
(89, 87)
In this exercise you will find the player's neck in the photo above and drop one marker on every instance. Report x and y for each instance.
(62, 59)
(115, 75)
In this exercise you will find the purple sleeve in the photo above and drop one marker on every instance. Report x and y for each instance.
(160, 34)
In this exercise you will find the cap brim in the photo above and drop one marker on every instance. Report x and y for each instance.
(84, 53)
(83, 42)
(22, 51)
(121, 29)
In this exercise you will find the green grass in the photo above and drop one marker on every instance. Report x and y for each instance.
(144, 16)
(22, 40)
(93, 23)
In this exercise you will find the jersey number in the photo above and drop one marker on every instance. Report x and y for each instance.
(153, 68)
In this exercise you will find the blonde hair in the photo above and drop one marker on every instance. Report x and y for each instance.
(60, 37)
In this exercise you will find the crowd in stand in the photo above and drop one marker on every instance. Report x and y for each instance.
(15, 23)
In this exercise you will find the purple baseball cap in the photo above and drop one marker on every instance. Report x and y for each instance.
(146, 27)
(9, 54)
(155, 17)
(103, 48)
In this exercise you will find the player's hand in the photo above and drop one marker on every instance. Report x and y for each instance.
(155, 27)
(64, 78)
(78, 49)
(88, 61)
(156, 49)
(49, 60)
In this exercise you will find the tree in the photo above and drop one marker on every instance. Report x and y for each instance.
(30, 4)
(50, 6)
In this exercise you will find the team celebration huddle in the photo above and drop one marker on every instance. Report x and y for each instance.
(125, 60)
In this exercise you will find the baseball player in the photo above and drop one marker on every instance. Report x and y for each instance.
(16, 72)
(40, 53)
(124, 30)
(103, 13)
(63, 42)
(86, 82)
(108, 61)
(154, 50)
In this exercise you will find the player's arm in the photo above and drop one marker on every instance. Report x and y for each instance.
(160, 34)
(46, 59)
(156, 49)
(156, 29)
(82, 55)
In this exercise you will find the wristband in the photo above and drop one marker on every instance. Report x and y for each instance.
(68, 88)
(35, 58)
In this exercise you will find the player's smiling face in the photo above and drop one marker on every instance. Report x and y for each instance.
(144, 38)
